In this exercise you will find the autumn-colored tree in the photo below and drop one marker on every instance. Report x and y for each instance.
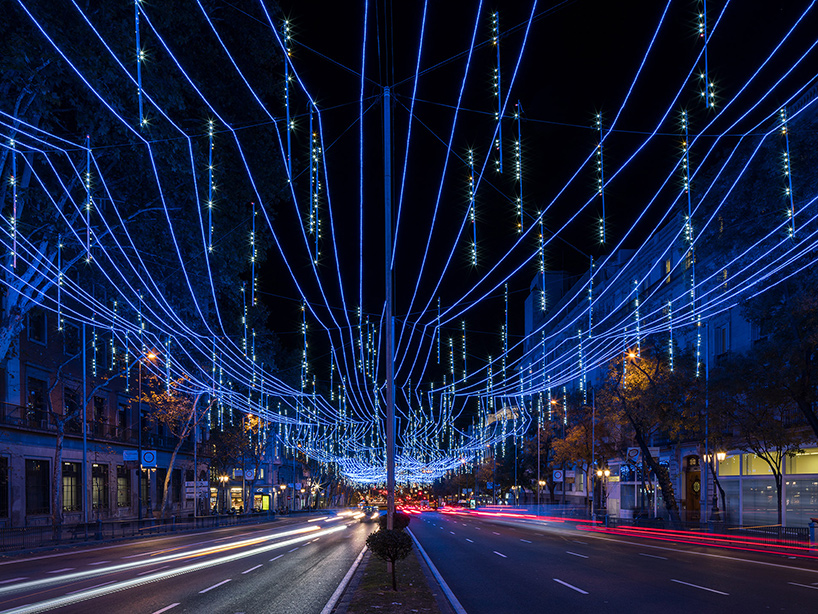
(178, 411)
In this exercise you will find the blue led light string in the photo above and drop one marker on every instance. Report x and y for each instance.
(497, 93)
(518, 168)
(788, 170)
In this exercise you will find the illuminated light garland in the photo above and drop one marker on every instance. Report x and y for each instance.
(708, 88)
(14, 182)
(497, 91)
(637, 319)
(210, 186)
(244, 347)
(472, 212)
(543, 294)
(93, 346)
(438, 330)
(671, 357)
(518, 168)
(88, 201)
(112, 365)
(140, 56)
(60, 321)
(600, 169)
(505, 331)
(314, 222)
(167, 365)
(287, 78)
(253, 256)
(788, 171)
(465, 370)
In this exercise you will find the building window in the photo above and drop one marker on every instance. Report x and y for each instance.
(100, 417)
(4, 487)
(99, 486)
(722, 340)
(38, 487)
(71, 487)
(667, 271)
(71, 399)
(123, 486)
(35, 402)
(37, 325)
(71, 339)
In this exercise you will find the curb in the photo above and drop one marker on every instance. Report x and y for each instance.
(336, 596)
(455, 604)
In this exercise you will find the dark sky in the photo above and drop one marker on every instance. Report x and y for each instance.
(580, 58)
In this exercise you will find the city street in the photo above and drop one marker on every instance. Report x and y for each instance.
(511, 566)
(291, 566)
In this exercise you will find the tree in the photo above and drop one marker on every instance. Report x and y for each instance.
(761, 413)
(178, 412)
(653, 400)
(390, 545)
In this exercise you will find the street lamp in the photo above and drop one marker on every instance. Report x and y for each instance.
(150, 356)
(603, 474)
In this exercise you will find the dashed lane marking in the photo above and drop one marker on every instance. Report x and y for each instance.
(275, 558)
(251, 569)
(525, 540)
(142, 573)
(470, 541)
(61, 570)
(500, 554)
(165, 609)
(571, 586)
(88, 588)
(653, 556)
(704, 588)
(210, 588)
(576, 554)
(804, 585)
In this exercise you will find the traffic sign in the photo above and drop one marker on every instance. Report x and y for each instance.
(130, 455)
(558, 475)
(149, 459)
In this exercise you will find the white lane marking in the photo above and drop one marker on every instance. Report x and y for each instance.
(210, 588)
(653, 556)
(61, 570)
(576, 541)
(571, 586)
(165, 609)
(99, 562)
(87, 588)
(463, 523)
(576, 554)
(500, 554)
(470, 541)
(452, 532)
(10, 580)
(142, 573)
(804, 585)
(333, 600)
(525, 540)
(251, 569)
(133, 556)
(293, 550)
(476, 528)
(276, 558)
(704, 588)
(495, 532)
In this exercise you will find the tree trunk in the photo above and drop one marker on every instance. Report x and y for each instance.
(56, 491)
(662, 474)
(168, 477)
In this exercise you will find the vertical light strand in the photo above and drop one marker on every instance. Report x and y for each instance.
(93, 345)
(315, 189)
(637, 318)
(253, 254)
(438, 330)
(210, 186)
(581, 366)
(518, 168)
(88, 198)
(13, 225)
(708, 89)
(788, 171)
(671, 357)
(543, 295)
(600, 169)
(59, 285)
(498, 145)
(244, 317)
(167, 364)
(465, 369)
(140, 56)
(113, 338)
(451, 363)
(287, 53)
(505, 331)
(590, 298)
(472, 212)
(689, 235)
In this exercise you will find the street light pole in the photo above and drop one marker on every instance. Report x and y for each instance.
(139, 442)
(390, 319)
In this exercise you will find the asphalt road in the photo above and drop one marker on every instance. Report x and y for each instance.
(497, 566)
(291, 566)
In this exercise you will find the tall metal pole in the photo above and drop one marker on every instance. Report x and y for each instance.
(390, 319)
(139, 443)
(84, 434)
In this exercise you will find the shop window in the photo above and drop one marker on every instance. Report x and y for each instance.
(99, 486)
(37, 487)
(730, 465)
(123, 486)
(755, 465)
(803, 463)
(71, 487)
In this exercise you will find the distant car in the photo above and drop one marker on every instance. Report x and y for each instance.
(370, 513)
